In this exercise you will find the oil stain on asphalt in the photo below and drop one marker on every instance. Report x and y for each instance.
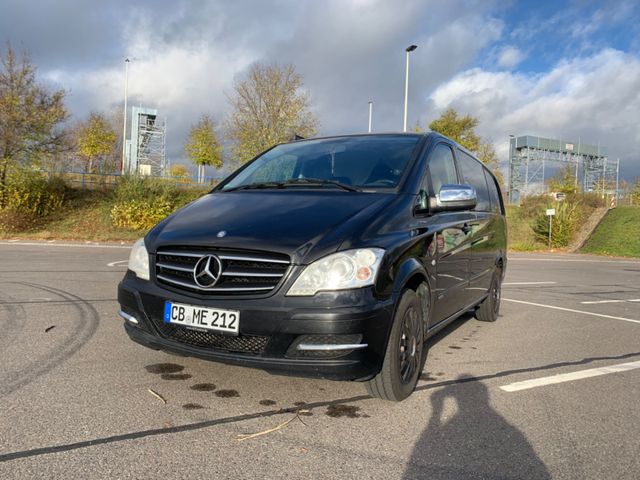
(175, 376)
(192, 406)
(349, 411)
(203, 387)
(227, 393)
(164, 368)
(267, 403)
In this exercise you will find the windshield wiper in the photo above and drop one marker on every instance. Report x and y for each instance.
(292, 182)
(256, 186)
(320, 181)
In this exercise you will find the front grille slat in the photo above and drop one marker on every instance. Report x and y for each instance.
(251, 344)
(242, 272)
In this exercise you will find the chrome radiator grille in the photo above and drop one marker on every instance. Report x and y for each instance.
(220, 271)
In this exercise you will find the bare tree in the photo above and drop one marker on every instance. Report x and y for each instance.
(269, 106)
(31, 115)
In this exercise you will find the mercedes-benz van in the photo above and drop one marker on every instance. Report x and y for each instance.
(333, 257)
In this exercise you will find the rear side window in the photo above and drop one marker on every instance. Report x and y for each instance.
(442, 168)
(494, 195)
(473, 174)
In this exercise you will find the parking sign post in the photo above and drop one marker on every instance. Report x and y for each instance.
(550, 213)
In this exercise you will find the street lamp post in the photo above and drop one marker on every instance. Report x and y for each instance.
(408, 50)
(370, 114)
(124, 120)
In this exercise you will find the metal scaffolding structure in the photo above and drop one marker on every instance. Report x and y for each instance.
(146, 150)
(531, 158)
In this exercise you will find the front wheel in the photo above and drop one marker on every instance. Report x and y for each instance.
(489, 308)
(404, 356)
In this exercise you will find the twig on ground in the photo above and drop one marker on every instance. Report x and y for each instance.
(242, 437)
(157, 395)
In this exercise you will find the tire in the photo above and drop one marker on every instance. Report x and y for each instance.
(399, 373)
(489, 308)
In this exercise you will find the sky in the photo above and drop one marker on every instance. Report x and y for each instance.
(550, 68)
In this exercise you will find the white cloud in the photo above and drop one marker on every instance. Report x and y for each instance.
(510, 57)
(596, 99)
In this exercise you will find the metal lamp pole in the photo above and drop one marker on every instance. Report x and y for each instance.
(408, 50)
(370, 114)
(124, 120)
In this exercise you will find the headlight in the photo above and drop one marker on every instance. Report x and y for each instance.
(339, 271)
(139, 260)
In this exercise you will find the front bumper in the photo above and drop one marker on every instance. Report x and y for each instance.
(279, 322)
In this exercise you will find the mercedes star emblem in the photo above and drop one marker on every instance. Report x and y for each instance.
(207, 271)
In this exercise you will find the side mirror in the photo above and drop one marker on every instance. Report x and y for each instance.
(455, 197)
(423, 202)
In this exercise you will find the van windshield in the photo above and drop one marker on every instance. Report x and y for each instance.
(369, 162)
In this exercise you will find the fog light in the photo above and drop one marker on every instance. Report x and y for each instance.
(325, 346)
(128, 318)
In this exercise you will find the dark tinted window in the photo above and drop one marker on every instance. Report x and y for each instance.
(494, 195)
(362, 161)
(442, 169)
(473, 174)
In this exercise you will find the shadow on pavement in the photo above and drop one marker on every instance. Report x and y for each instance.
(475, 442)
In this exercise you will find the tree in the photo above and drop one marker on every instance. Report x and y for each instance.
(203, 147)
(96, 141)
(460, 129)
(31, 116)
(635, 192)
(268, 107)
(564, 181)
(178, 170)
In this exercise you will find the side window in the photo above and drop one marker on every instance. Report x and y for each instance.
(494, 195)
(473, 174)
(442, 168)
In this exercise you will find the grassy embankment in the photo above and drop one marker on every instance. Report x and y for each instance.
(126, 213)
(108, 215)
(618, 234)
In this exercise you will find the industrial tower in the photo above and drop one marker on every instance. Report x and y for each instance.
(145, 151)
(531, 158)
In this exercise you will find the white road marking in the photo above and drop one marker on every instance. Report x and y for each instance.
(117, 263)
(595, 302)
(571, 310)
(590, 260)
(568, 377)
(75, 245)
(529, 283)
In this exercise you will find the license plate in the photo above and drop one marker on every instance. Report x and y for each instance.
(202, 318)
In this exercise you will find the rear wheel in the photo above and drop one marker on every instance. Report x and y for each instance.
(489, 309)
(404, 357)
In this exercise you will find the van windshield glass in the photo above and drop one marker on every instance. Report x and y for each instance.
(369, 162)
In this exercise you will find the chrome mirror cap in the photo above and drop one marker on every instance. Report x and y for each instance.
(456, 197)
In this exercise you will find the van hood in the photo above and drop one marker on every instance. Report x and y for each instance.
(296, 223)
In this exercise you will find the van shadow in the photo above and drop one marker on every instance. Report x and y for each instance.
(475, 442)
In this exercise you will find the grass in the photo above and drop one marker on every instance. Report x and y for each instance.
(86, 218)
(618, 234)
(520, 232)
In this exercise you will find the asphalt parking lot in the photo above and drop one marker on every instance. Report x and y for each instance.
(551, 390)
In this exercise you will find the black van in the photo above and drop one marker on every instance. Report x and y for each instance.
(332, 257)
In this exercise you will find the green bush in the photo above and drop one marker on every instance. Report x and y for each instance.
(563, 224)
(136, 187)
(32, 193)
(141, 202)
(140, 214)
